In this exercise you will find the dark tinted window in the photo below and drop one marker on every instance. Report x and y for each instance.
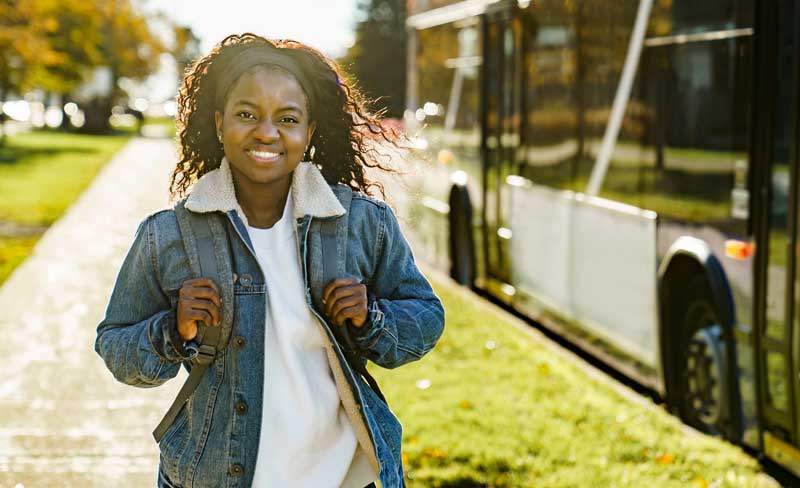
(695, 82)
(683, 142)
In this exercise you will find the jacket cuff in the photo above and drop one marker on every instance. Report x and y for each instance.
(364, 337)
(166, 340)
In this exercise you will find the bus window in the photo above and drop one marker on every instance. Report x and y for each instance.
(448, 63)
(549, 136)
(696, 85)
(574, 53)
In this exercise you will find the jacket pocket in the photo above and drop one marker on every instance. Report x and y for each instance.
(174, 443)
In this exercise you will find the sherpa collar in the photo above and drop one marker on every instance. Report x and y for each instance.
(311, 194)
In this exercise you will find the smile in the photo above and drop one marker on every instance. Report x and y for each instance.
(265, 156)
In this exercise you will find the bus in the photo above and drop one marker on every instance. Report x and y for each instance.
(624, 172)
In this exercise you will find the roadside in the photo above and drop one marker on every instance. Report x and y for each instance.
(66, 421)
(41, 174)
(497, 404)
(493, 405)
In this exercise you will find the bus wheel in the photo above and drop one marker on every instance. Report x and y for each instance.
(702, 402)
(462, 253)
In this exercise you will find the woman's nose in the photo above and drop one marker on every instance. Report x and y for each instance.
(266, 130)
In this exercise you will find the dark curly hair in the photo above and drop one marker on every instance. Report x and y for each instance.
(343, 123)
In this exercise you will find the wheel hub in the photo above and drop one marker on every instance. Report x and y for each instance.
(704, 365)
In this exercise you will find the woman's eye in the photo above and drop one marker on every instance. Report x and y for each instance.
(245, 115)
(291, 120)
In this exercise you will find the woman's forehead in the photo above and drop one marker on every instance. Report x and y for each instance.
(268, 84)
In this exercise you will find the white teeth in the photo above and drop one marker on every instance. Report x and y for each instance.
(264, 154)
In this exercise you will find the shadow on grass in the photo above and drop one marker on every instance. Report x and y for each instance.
(10, 154)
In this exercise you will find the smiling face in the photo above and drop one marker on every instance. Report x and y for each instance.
(265, 129)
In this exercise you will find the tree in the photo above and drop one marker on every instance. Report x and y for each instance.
(186, 47)
(54, 44)
(378, 57)
(128, 48)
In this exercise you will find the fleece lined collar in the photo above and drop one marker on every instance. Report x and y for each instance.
(311, 194)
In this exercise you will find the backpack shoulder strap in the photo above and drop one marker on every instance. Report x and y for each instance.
(330, 263)
(208, 338)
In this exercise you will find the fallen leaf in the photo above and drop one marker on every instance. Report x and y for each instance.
(665, 458)
(465, 404)
(544, 368)
(700, 482)
(433, 452)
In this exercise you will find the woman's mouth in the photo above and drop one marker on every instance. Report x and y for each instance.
(264, 156)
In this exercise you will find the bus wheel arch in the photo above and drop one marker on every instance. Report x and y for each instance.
(461, 240)
(696, 337)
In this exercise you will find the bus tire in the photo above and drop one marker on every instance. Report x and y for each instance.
(704, 352)
(462, 250)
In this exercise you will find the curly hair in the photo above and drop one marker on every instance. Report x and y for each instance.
(343, 123)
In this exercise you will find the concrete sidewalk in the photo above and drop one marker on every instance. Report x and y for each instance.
(65, 420)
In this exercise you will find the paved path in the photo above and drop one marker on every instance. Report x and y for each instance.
(64, 420)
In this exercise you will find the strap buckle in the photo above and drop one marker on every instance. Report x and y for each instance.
(205, 355)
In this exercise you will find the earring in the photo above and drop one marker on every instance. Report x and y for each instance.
(219, 137)
(311, 152)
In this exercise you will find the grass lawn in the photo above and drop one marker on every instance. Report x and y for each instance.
(489, 406)
(41, 174)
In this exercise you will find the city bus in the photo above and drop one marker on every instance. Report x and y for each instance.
(624, 172)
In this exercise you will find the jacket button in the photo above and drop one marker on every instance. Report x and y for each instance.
(241, 408)
(245, 280)
(236, 470)
(240, 341)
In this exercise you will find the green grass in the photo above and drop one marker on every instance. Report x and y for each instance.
(504, 410)
(12, 252)
(168, 123)
(41, 174)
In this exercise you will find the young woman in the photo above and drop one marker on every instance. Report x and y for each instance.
(273, 147)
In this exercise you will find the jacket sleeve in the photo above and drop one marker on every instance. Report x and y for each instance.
(406, 318)
(138, 339)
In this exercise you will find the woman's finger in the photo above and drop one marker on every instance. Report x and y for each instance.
(336, 283)
(197, 315)
(341, 293)
(206, 306)
(201, 283)
(346, 302)
(357, 315)
(204, 293)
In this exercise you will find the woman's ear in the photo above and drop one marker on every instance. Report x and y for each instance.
(311, 128)
(218, 123)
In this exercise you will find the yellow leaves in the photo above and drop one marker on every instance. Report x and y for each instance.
(543, 369)
(433, 452)
(665, 459)
(700, 482)
(50, 24)
(465, 404)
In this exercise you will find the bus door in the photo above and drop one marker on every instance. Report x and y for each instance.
(777, 338)
(501, 136)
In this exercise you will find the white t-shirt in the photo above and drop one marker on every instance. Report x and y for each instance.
(306, 436)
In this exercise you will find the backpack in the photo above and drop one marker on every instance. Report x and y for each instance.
(209, 339)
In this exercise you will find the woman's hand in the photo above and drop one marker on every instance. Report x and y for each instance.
(345, 298)
(198, 300)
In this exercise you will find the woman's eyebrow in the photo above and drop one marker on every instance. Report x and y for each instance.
(287, 106)
(291, 106)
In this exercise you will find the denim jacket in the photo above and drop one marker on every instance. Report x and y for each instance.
(214, 440)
